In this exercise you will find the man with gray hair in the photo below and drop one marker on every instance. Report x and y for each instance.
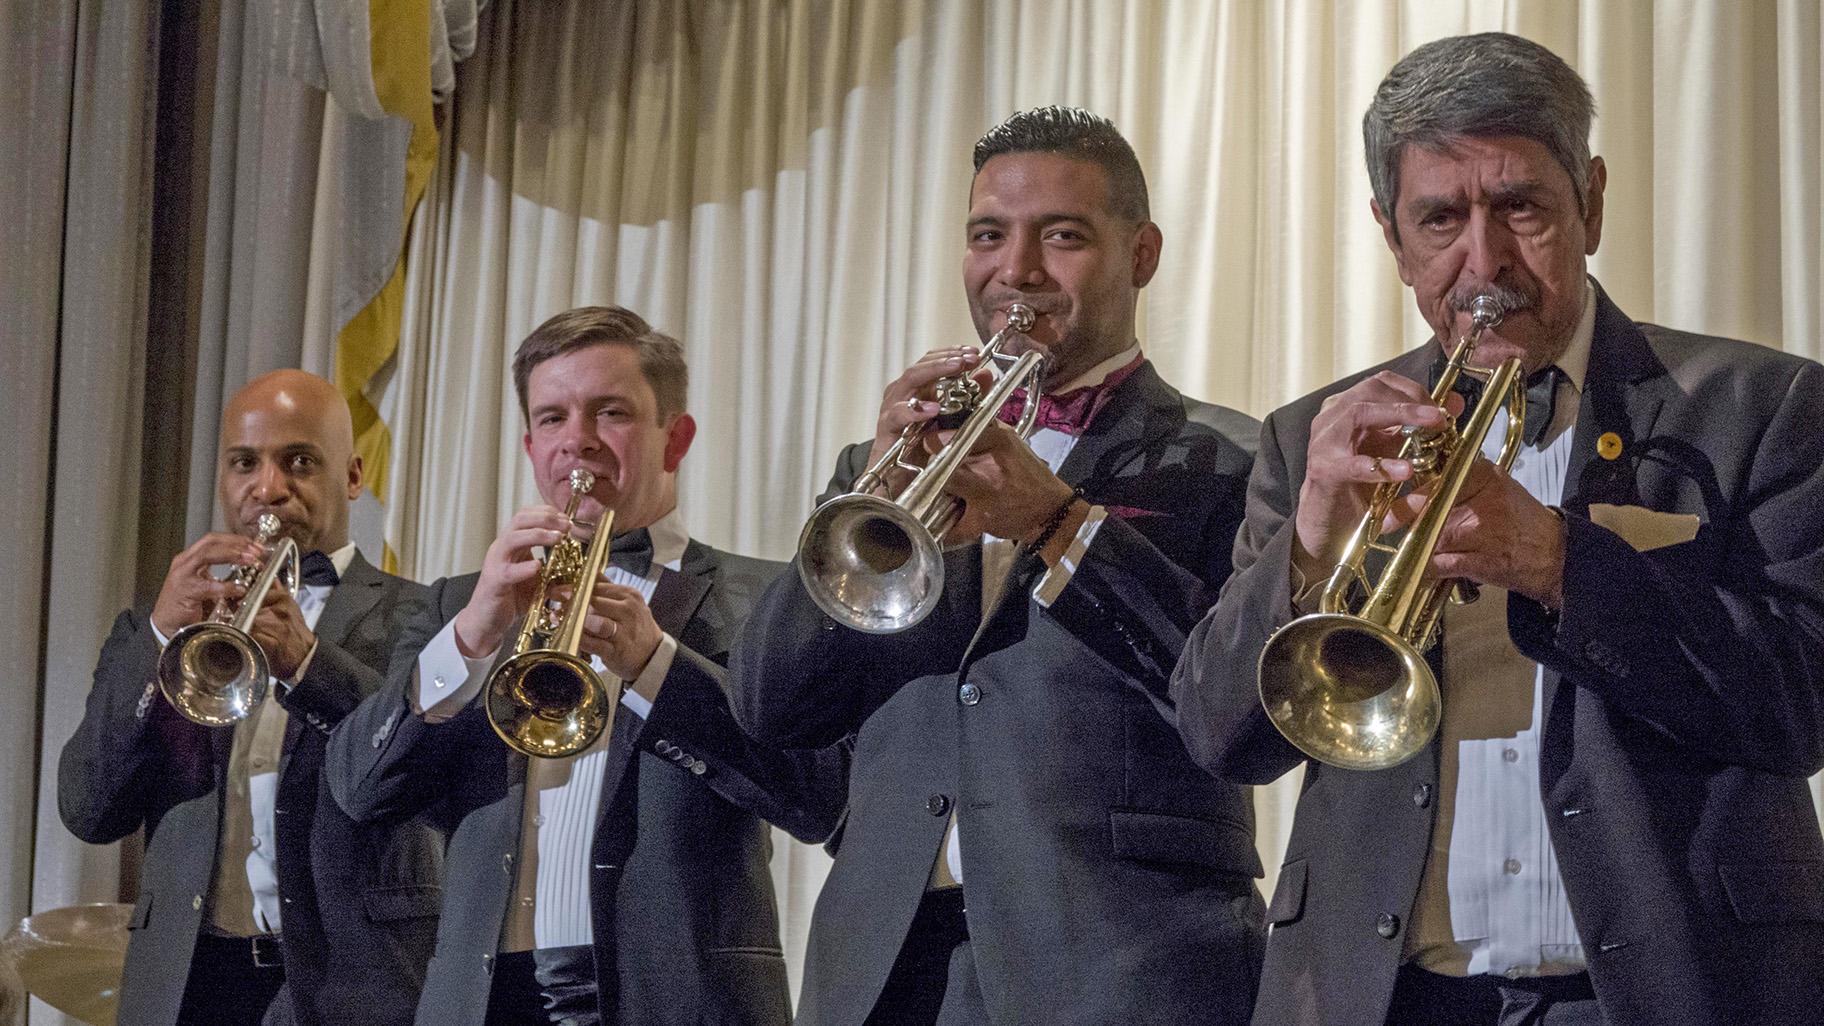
(1612, 825)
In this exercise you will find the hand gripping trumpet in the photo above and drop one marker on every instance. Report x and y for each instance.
(1352, 689)
(212, 671)
(874, 562)
(545, 700)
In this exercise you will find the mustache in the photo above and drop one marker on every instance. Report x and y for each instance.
(1040, 306)
(1509, 295)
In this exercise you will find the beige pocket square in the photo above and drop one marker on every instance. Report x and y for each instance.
(1644, 528)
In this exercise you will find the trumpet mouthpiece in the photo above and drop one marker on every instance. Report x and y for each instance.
(268, 527)
(1020, 317)
(1485, 311)
(581, 482)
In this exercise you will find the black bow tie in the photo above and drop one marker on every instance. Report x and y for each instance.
(316, 570)
(632, 552)
(1541, 397)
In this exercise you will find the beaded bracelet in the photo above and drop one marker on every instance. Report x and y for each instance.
(1056, 521)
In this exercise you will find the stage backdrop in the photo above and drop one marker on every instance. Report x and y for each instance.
(780, 183)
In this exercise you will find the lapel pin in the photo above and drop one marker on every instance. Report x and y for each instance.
(1609, 445)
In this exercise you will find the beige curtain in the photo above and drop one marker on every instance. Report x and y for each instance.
(781, 184)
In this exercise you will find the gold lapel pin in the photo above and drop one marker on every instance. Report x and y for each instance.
(1609, 445)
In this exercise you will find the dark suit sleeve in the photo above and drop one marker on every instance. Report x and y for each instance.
(130, 741)
(386, 762)
(802, 791)
(1134, 607)
(333, 684)
(800, 679)
(1718, 643)
(1214, 685)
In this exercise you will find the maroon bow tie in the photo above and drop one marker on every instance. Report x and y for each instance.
(1070, 412)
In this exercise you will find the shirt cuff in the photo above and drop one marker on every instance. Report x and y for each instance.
(644, 689)
(1052, 584)
(446, 680)
(156, 633)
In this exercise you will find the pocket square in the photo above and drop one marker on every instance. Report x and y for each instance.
(1645, 529)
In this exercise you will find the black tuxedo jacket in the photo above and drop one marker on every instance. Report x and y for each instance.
(685, 926)
(1108, 879)
(358, 903)
(1684, 704)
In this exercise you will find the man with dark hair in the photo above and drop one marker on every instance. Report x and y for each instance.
(1028, 841)
(258, 898)
(1613, 824)
(628, 883)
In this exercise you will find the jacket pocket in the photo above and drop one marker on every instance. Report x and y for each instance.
(388, 904)
(1161, 837)
(1775, 892)
(142, 912)
(1289, 894)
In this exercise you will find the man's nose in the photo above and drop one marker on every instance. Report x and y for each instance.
(1488, 246)
(1022, 261)
(270, 485)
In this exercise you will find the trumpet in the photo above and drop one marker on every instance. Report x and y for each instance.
(212, 671)
(1352, 689)
(874, 562)
(545, 700)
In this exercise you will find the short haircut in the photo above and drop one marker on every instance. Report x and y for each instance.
(1477, 86)
(661, 356)
(1078, 134)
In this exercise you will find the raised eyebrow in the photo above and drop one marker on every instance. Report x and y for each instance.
(985, 221)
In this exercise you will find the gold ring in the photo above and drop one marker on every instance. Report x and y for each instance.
(613, 629)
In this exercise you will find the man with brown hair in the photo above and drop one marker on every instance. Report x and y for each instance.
(628, 883)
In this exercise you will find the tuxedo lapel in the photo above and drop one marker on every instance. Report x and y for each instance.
(349, 601)
(1142, 411)
(679, 593)
(1623, 392)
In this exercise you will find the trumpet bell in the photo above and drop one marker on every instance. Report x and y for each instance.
(870, 564)
(1349, 692)
(547, 703)
(213, 673)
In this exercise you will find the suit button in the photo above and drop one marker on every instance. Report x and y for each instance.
(937, 804)
(1387, 925)
(506, 863)
(662, 746)
(969, 694)
(196, 902)
(698, 768)
(1421, 796)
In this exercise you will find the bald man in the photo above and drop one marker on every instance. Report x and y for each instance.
(259, 901)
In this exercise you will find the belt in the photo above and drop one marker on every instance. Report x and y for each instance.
(263, 952)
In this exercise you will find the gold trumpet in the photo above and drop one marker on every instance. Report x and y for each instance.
(212, 671)
(545, 700)
(1353, 690)
(875, 562)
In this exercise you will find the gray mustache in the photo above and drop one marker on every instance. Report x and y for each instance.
(1509, 297)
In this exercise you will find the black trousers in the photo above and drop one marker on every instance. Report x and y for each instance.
(548, 987)
(232, 981)
(1422, 998)
(933, 981)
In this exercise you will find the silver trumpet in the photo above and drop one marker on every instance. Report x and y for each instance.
(874, 561)
(212, 671)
